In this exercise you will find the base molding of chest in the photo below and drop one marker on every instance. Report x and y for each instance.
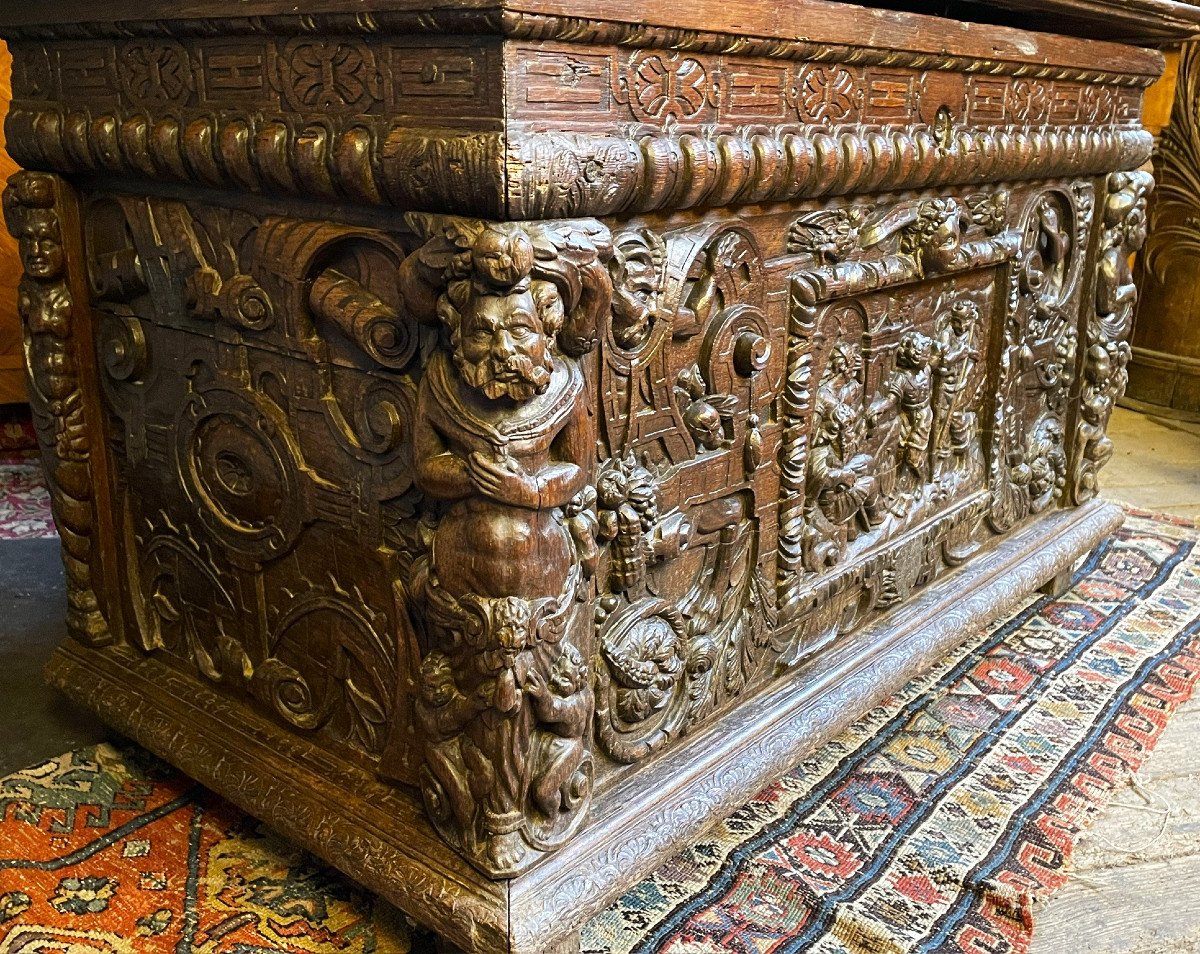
(379, 835)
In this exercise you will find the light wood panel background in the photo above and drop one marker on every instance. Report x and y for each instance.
(12, 375)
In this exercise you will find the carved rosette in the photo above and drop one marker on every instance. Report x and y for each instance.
(35, 211)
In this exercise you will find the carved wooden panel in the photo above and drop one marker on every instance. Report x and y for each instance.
(1164, 370)
(513, 453)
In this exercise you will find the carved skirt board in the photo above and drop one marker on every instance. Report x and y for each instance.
(489, 491)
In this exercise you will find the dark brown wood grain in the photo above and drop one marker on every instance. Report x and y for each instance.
(1164, 372)
(12, 362)
(528, 422)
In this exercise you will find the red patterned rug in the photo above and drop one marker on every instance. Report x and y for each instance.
(24, 500)
(931, 825)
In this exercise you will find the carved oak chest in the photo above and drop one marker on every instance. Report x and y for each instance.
(490, 441)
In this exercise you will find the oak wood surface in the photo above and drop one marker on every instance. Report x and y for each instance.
(12, 373)
(1146, 21)
(808, 20)
(549, 419)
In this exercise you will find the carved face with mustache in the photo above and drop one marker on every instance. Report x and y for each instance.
(503, 350)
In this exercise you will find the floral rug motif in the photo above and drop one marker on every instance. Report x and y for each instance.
(24, 500)
(931, 825)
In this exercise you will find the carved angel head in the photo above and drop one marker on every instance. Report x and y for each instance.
(437, 680)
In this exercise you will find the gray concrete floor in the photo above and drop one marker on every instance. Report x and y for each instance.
(1137, 884)
(35, 722)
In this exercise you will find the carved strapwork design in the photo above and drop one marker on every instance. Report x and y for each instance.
(502, 509)
(1107, 352)
(503, 447)
(39, 208)
(267, 451)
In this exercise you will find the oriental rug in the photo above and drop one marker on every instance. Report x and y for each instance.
(931, 825)
(24, 500)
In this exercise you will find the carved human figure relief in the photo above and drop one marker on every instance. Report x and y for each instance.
(842, 489)
(501, 446)
(32, 204)
(956, 352)
(906, 402)
(1106, 360)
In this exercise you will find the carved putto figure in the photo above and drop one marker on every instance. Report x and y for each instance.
(501, 440)
(1125, 232)
(703, 412)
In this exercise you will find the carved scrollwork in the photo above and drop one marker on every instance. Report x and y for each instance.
(240, 468)
(641, 696)
(330, 666)
(538, 606)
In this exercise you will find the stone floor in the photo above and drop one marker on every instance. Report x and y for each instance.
(1137, 886)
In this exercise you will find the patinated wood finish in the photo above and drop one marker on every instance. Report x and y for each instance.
(1164, 372)
(489, 443)
(12, 362)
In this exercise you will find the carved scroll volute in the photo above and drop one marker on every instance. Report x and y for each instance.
(1106, 350)
(41, 211)
(503, 445)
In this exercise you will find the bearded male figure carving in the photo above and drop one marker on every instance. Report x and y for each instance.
(501, 441)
